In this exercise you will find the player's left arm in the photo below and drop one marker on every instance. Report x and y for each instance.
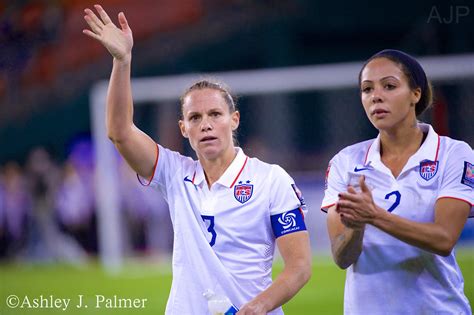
(296, 253)
(452, 208)
(438, 237)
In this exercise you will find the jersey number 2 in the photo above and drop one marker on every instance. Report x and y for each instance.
(397, 195)
(210, 228)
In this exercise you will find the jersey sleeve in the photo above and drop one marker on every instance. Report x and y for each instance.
(283, 191)
(287, 205)
(458, 177)
(335, 182)
(167, 165)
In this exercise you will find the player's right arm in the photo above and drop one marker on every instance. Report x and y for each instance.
(138, 149)
(345, 237)
(346, 242)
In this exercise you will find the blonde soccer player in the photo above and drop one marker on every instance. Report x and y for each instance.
(229, 211)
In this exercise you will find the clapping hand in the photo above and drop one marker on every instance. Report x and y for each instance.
(357, 208)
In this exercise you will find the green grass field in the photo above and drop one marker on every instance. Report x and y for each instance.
(322, 295)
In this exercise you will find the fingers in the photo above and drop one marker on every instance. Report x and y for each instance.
(103, 15)
(123, 21)
(91, 34)
(349, 196)
(94, 22)
(351, 189)
(347, 218)
(344, 207)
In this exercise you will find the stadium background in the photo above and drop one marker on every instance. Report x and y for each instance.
(50, 235)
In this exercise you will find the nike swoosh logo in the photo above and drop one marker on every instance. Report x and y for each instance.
(186, 179)
(361, 169)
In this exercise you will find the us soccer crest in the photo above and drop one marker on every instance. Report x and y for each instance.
(243, 192)
(428, 169)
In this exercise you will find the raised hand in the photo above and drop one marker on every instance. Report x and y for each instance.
(119, 42)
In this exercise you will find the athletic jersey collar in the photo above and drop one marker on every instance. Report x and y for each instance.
(428, 150)
(230, 175)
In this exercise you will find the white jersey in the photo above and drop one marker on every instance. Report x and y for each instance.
(224, 237)
(390, 276)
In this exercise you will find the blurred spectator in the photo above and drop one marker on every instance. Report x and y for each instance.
(15, 205)
(75, 208)
(75, 198)
(47, 213)
(146, 215)
(46, 242)
(159, 230)
(135, 208)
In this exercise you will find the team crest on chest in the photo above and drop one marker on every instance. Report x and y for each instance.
(428, 169)
(243, 192)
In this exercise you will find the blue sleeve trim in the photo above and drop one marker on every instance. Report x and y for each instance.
(288, 222)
